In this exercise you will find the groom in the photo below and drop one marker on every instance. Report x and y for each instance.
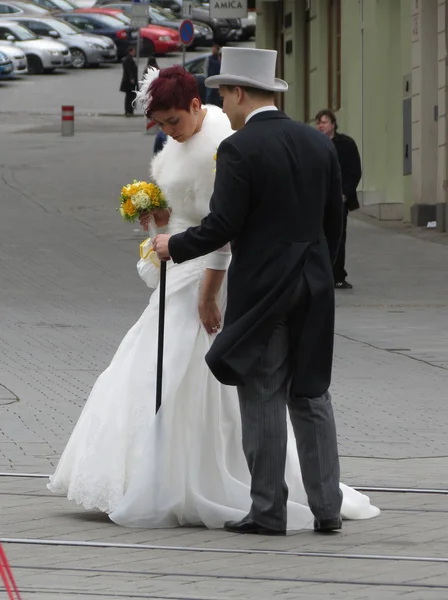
(278, 200)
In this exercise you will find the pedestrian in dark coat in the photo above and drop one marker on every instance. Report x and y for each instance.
(278, 200)
(350, 163)
(129, 81)
(212, 68)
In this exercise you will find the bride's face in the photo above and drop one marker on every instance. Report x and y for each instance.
(179, 124)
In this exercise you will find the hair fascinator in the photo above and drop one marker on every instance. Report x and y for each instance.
(142, 94)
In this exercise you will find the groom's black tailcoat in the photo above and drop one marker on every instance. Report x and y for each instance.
(278, 200)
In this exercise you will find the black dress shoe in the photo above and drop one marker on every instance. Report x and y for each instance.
(343, 285)
(327, 525)
(246, 525)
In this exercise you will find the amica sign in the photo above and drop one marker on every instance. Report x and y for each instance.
(228, 9)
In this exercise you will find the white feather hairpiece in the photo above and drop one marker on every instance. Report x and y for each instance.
(142, 95)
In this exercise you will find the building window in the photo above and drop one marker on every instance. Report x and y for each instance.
(334, 54)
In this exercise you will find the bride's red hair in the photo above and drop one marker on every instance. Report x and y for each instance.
(173, 88)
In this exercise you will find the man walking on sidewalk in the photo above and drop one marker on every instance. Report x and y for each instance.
(350, 163)
(129, 81)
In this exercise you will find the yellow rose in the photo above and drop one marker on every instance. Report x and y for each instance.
(128, 208)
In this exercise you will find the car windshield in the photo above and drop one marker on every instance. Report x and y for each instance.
(38, 10)
(121, 17)
(62, 27)
(165, 15)
(109, 21)
(64, 5)
(21, 33)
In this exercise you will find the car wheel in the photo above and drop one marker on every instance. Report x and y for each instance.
(79, 59)
(35, 66)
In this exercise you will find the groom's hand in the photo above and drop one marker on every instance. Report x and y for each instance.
(160, 245)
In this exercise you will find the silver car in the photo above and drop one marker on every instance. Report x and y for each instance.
(17, 56)
(11, 9)
(86, 49)
(42, 55)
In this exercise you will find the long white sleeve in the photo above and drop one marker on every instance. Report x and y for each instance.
(219, 260)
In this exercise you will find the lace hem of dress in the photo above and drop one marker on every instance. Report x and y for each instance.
(103, 500)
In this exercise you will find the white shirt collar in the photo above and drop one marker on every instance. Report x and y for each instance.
(260, 110)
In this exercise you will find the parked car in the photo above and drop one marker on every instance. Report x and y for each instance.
(196, 66)
(17, 56)
(55, 5)
(86, 50)
(154, 39)
(113, 28)
(248, 26)
(11, 9)
(42, 55)
(224, 30)
(203, 34)
(6, 66)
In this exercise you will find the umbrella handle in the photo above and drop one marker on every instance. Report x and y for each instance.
(162, 297)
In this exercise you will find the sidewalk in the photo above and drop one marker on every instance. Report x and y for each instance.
(69, 291)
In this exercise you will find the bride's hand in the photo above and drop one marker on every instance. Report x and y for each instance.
(161, 216)
(144, 219)
(210, 315)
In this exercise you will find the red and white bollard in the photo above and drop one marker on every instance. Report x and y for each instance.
(68, 120)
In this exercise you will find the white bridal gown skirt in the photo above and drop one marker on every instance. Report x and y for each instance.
(186, 465)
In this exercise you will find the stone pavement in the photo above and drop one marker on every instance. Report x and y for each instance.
(69, 291)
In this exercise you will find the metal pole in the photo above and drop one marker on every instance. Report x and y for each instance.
(138, 52)
(183, 54)
(162, 296)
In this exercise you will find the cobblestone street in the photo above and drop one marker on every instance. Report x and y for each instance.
(69, 292)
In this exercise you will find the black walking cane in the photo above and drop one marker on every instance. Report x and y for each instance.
(162, 294)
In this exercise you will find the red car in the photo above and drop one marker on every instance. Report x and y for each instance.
(155, 39)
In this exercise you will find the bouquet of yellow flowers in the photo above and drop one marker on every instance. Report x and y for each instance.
(140, 197)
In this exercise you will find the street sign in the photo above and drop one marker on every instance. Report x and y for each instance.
(187, 9)
(228, 9)
(139, 15)
(186, 32)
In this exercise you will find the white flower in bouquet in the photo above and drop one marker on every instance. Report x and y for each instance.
(141, 200)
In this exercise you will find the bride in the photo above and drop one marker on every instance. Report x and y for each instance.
(186, 465)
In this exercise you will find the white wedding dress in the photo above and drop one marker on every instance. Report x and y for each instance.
(186, 465)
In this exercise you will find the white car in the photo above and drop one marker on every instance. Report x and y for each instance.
(17, 56)
(42, 55)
